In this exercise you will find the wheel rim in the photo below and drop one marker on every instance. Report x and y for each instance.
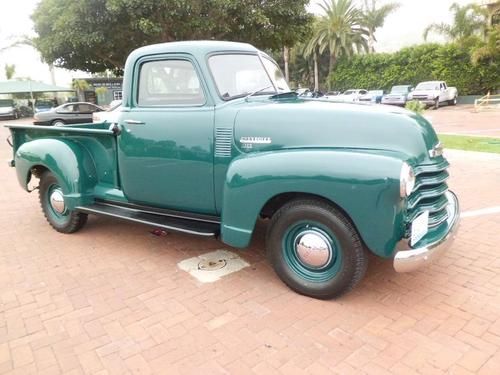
(58, 123)
(55, 203)
(312, 252)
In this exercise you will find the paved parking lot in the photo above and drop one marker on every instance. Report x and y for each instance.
(110, 299)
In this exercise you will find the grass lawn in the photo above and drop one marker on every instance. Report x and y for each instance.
(464, 142)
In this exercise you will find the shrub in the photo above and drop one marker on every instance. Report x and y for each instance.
(448, 62)
(415, 106)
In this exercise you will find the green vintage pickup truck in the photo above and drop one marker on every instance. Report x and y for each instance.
(210, 139)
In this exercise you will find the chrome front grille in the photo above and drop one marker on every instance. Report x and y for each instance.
(429, 194)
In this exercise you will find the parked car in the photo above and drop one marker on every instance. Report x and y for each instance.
(69, 113)
(25, 111)
(220, 141)
(398, 95)
(373, 96)
(351, 95)
(9, 109)
(110, 115)
(434, 93)
(44, 105)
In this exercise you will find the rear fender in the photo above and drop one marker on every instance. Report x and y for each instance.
(364, 185)
(70, 163)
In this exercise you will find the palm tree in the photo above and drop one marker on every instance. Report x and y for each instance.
(80, 85)
(340, 31)
(374, 18)
(468, 20)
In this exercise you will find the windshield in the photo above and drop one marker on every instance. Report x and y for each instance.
(6, 103)
(349, 92)
(238, 75)
(276, 74)
(428, 86)
(400, 90)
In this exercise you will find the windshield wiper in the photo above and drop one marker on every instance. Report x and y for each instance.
(259, 90)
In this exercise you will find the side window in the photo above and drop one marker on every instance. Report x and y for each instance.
(85, 108)
(169, 82)
(69, 108)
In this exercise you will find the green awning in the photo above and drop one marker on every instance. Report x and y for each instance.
(16, 87)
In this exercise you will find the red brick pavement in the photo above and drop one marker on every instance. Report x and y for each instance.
(111, 300)
(463, 119)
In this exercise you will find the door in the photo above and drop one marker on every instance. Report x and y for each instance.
(84, 114)
(165, 149)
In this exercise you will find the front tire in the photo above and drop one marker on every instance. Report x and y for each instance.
(436, 103)
(453, 101)
(54, 209)
(315, 249)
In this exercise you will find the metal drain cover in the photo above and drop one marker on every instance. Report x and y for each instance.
(211, 265)
(219, 262)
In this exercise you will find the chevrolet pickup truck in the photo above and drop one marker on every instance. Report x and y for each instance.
(210, 139)
(434, 93)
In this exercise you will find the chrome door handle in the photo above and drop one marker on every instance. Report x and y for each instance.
(134, 122)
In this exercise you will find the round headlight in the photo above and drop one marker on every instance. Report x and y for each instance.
(406, 180)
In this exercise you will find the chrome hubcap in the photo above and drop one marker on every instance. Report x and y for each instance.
(313, 249)
(57, 201)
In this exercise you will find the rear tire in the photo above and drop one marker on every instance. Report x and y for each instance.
(58, 123)
(52, 202)
(315, 249)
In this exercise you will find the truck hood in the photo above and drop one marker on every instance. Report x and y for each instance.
(265, 125)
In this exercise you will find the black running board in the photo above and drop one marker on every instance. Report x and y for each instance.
(199, 228)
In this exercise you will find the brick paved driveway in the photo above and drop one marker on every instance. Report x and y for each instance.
(463, 119)
(111, 300)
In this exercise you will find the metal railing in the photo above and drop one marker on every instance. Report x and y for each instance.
(487, 102)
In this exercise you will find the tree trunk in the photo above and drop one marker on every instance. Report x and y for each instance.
(316, 73)
(333, 60)
(371, 42)
(52, 74)
(285, 58)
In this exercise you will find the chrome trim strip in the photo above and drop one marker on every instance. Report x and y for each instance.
(409, 259)
(104, 203)
(92, 211)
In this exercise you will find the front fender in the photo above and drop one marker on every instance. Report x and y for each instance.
(363, 184)
(70, 163)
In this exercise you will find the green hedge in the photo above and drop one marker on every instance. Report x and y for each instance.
(426, 62)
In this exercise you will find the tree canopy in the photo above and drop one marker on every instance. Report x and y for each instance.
(95, 35)
(468, 20)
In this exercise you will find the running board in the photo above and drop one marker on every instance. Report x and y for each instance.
(199, 228)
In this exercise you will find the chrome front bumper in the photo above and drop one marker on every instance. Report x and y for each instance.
(410, 259)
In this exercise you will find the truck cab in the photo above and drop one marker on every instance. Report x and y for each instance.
(210, 139)
(434, 94)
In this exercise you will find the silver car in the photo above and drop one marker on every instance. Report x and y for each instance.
(398, 95)
(69, 113)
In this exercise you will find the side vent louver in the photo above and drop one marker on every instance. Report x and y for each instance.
(223, 142)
